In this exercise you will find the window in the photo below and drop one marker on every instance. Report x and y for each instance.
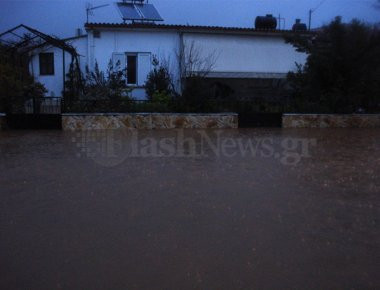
(47, 63)
(131, 69)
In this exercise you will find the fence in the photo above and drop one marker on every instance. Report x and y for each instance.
(48, 105)
(177, 106)
(252, 113)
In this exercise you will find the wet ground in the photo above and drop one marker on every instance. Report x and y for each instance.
(299, 209)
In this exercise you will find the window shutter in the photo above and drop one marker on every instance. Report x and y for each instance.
(144, 67)
(118, 61)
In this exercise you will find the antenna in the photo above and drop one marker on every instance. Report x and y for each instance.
(90, 8)
(311, 11)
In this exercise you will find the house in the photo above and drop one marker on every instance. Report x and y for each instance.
(232, 54)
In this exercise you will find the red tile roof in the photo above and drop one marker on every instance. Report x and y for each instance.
(187, 28)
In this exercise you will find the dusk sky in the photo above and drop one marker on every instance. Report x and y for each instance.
(62, 17)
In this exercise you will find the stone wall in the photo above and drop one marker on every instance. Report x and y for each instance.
(148, 121)
(2, 121)
(331, 121)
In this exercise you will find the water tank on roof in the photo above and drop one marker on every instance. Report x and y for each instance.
(298, 26)
(266, 22)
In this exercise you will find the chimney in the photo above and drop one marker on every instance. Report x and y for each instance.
(78, 32)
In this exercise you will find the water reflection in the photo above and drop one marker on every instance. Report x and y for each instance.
(104, 218)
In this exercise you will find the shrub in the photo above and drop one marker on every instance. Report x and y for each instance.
(74, 86)
(342, 71)
(110, 85)
(16, 84)
(97, 90)
(161, 97)
(159, 81)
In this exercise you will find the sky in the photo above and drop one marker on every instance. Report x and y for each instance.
(62, 17)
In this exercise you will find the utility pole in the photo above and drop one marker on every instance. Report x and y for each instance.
(279, 22)
(311, 11)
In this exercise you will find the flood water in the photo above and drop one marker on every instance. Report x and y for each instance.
(296, 209)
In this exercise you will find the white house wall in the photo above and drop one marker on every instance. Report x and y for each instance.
(80, 44)
(54, 83)
(161, 44)
(234, 54)
(244, 53)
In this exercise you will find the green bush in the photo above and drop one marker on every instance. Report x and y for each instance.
(74, 86)
(161, 97)
(159, 81)
(342, 71)
(97, 91)
(102, 86)
(16, 84)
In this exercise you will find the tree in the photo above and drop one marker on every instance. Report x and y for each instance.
(159, 81)
(193, 62)
(16, 84)
(194, 66)
(377, 4)
(74, 86)
(110, 85)
(342, 71)
(97, 90)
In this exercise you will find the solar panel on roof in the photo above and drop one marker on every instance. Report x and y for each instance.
(149, 12)
(128, 11)
(138, 11)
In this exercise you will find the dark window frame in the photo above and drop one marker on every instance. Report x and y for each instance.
(129, 71)
(46, 62)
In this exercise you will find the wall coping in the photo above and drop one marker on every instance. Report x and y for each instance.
(147, 114)
(311, 114)
(331, 121)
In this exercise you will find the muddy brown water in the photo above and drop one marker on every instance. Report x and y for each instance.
(109, 211)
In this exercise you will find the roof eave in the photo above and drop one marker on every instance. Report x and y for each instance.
(188, 29)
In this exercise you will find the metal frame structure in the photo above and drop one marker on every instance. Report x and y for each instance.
(32, 39)
(138, 11)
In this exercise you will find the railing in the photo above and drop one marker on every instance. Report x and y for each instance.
(252, 113)
(48, 105)
(178, 106)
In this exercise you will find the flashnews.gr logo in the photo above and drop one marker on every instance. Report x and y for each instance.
(112, 147)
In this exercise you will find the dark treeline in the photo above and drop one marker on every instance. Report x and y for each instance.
(342, 72)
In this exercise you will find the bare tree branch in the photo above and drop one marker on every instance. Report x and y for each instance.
(193, 62)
